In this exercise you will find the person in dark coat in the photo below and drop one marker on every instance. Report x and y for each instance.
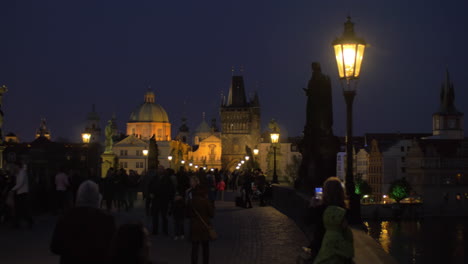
(162, 191)
(179, 217)
(84, 233)
(247, 187)
(200, 207)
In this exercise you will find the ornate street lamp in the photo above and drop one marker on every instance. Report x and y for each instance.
(349, 52)
(274, 141)
(86, 137)
(255, 151)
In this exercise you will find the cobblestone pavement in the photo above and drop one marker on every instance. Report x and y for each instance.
(257, 235)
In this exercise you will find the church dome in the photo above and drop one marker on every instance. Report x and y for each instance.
(203, 127)
(149, 111)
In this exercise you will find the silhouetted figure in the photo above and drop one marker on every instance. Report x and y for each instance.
(120, 185)
(162, 192)
(131, 245)
(198, 207)
(132, 187)
(247, 187)
(84, 233)
(22, 202)
(178, 213)
(107, 188)
(62, 183)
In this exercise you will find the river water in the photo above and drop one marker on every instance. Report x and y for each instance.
(430, 240)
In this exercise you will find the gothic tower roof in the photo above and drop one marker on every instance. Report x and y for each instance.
(236, 97)
(447, 97)
(184, 127)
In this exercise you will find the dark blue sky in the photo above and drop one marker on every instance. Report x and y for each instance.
(59, 57)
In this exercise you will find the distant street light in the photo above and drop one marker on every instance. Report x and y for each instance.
(349, 52)
(274, 141)
(255, 151)
(86, 137)
(145, 153)
(247, 158)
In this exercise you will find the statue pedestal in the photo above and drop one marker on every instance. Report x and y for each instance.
(109, 160)
(2, 148)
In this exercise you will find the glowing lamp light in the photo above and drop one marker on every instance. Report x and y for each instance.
(190, 164)
(212, 169)
(86, 137)
(237, 167)
(366, 196)
(349, 52)
(169, 158)
(182, 161)
(255, 152)
(274, 137)
(384, 196)
(204, 168)
(242, 161)
(145, 152)
(196, 166)
(239, 164)
(247, 157)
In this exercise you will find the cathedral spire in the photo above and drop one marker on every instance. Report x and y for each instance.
(447, 96)
(236, 97)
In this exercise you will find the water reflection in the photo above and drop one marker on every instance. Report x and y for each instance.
(431, 240)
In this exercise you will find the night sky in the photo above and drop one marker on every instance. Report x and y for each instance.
(59, 57)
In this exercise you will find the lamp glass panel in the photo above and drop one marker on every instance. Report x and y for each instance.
(349, 57)
(359, 56)
(339, 60)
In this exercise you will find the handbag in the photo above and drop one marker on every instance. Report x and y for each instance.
(211, 232)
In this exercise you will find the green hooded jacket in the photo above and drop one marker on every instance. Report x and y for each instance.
(337, 244)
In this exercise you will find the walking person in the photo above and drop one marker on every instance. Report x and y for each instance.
(162, 192)
(221, 186)
(200, 210)
(62, 183)
(21, 190)
(84, 233)
(247, 188)
(178, 213)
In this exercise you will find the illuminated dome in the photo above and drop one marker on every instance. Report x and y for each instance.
(149, 111)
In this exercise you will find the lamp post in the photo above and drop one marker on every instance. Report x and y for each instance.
(274, 140)
(170, 161)
(145, 153)
(349, 52)
(86, 137)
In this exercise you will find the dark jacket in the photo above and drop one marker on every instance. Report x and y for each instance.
(163, 192)
(198, 231)
(179, 209)
(315, 218)
(83, 235)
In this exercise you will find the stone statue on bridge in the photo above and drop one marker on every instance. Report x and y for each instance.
(319, 146)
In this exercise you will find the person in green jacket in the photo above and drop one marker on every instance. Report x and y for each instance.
(337, 244)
